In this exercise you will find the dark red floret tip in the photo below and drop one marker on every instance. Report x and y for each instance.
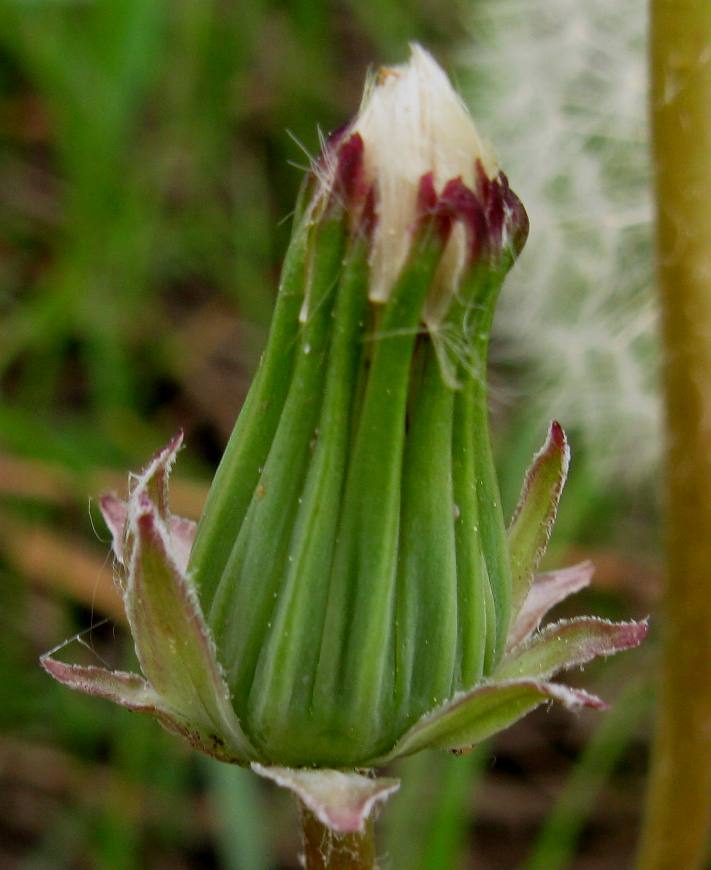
(349, 183)
(429, 209)
(330, 147)
(464, 205)
(490, 193)
(516, 217)
(368, 216)
(426, 196)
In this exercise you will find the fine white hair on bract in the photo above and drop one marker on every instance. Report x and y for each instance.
(560, 87)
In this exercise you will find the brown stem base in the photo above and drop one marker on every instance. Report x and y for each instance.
(326, 850)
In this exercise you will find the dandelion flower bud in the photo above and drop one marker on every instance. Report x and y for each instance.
(351, 594)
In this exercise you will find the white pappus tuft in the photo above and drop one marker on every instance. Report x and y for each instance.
(561, 87)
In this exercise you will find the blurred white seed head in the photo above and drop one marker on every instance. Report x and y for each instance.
(561, 87)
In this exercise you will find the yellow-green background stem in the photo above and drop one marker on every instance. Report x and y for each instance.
(679, 804)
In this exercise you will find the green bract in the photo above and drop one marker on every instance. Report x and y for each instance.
(350, 594)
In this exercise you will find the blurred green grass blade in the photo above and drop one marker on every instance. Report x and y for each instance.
(557, 841)
(439, 788)
(95, 67)
(61, 843)
(402, 841)
(452, 817)
(392, 25)
(120, 830)
(72, 444)
(242, 829)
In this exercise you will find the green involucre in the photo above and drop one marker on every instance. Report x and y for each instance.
(352, 559)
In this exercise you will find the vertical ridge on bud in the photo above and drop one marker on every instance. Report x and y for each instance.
(425, 632)
(249, 442)
(356, 663)
(253, 573)
(491, 518)
(476, 625)
(283, 684)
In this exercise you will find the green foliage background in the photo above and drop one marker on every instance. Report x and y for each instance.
(147, 175)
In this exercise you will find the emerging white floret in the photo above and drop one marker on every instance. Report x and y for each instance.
(412, 123)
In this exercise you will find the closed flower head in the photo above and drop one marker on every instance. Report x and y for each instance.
(351, 593)
(414, 126)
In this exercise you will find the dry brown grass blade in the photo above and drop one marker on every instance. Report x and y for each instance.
(57, 563)
(30, 478)
(51, 560)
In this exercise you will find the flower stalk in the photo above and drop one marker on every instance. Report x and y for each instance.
(326, 849)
